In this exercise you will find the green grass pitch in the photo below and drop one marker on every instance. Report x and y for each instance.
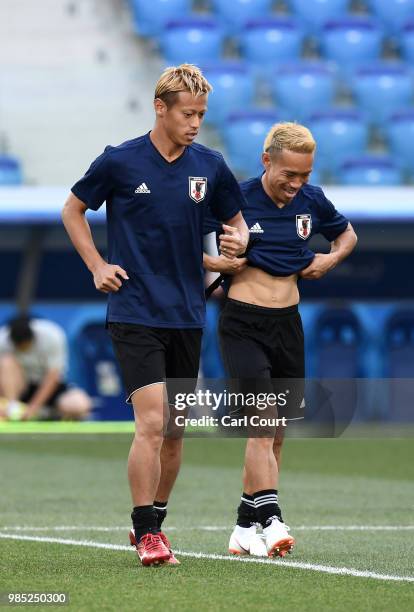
(333, 494)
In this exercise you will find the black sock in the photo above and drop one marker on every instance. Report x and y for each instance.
(266, 506)
(161, 510)
(246, 512)
(144, 520)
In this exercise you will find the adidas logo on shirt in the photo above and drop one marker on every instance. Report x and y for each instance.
(256, 229)
(142, 189)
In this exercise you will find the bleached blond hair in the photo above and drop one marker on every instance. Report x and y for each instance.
(289, 137)
(185, 77)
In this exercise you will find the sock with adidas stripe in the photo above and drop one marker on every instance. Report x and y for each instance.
(246, 512)
(267, 507)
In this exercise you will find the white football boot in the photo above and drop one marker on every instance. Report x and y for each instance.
(277, 538)
(245, 541)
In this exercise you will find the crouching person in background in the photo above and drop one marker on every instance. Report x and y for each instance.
(33, 362)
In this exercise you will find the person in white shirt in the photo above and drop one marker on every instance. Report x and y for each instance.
(33, 363)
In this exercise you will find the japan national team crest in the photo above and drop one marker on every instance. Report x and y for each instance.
(197, 188)
(303, 226)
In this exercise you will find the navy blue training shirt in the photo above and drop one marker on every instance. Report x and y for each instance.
(155, 215)
(281, 235)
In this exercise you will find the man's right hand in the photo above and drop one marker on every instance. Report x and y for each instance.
(107, 277)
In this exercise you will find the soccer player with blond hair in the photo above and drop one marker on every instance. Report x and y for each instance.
(260, 328)
(157, 189)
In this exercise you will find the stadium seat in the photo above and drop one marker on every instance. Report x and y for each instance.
(399, 349)
(381, 88)
(97, 369)
(370, 171)
(315, 13)
(400, 339)
(244, 135)
(236, 13)
(406, 40)
(303, 88)
(10, 171)
(399, 131)
(192, 40)
(392, 13)
(268, 41)
(351, 40)
(151, 17)
(340, 134)
(233, 88)
(338, 337)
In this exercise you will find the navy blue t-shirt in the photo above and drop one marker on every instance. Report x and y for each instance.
(155, 213)
(280, 236)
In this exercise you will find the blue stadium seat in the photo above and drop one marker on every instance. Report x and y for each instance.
(351, 40)
(244, 135)
(382, 88)
(192, 40)
(370, 170)
(151, 17)
(96, 368)
(10, 171)
(233, 88)
(392, 13)
(406, 39)
(338, 337)
(303, 88)
(400, 340)
(268, 41)
(315, 13)
(400, 136)
(340, 134)
(236, 13)
(399, 349)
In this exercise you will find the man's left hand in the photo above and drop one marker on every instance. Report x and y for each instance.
(231, 242)
(320, 265)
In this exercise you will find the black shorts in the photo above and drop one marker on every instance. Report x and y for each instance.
(150, 355)
(50, 411)
(31, 389)
(263, 352)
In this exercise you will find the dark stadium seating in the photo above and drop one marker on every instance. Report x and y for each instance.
(233, 89)
(194, 40)
(399, 349)
(370, 171)
(340, 134)
(244, 134)
(303, 88)
(338, 336)
(270, 41)
(315, 13)
(10, 171)
(151, 16)
(381, 88)
(393, 13)
(350, 40)
(399, 335)
(236, 13)
(400, 137)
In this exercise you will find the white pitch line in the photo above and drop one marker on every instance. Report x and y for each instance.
(211, 528)
(327, 569)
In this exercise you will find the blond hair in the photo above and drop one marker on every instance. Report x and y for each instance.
(185, 77)
(291, 137)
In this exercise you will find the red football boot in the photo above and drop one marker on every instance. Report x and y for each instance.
(173, 559)
(150, 548)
